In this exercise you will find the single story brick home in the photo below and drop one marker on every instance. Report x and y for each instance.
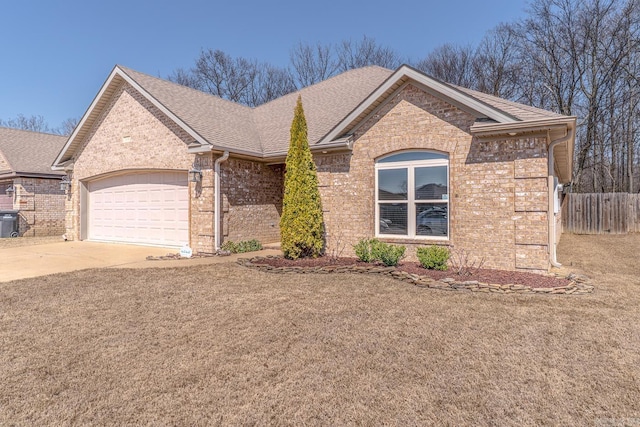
(400, 156)
(28, 186)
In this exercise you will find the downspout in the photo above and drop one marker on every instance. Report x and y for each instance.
(551, 188)
(218, 204)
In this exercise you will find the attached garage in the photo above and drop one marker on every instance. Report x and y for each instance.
(145, 208)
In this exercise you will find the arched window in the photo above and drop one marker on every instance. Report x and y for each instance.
(412, 195)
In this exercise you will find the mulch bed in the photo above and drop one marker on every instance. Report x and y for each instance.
(499, 277)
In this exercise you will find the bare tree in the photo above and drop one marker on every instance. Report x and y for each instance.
(269, 83)
(366, 52)
(452, 64)
(574, 57)
(67, 127)
(185, 78)
(241, 80)
(313, 63)
(496, 66)
(32, 123)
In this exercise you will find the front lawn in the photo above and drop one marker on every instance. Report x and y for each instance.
(221, 344)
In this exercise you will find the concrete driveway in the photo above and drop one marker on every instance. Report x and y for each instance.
(49, 258)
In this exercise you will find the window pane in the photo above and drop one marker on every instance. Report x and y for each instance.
(431, 183)
(431, 219)
(393, 218)
(392, 184)
(412, 155)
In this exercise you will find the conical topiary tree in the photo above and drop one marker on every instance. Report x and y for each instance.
(301, 225)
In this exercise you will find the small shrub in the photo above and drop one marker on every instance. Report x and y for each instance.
(433, 257)
(241, 247)
(337, 244)
(363, 249)
(373, 250)
(462, 263)
(229, 246)
(389, 255)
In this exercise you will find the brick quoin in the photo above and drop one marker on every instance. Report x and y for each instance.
(498, 188)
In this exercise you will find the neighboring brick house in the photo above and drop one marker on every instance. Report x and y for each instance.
(400, 155)
(27, 183)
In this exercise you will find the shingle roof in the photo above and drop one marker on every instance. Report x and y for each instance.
(325, 104)
(520, 111)
(221, 122)
(264, 131)
(29, 152)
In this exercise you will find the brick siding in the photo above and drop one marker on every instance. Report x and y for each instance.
(252, 200)
(498, 189)
(497, 195)
(40, 205)
(251, 191)
(154, 143)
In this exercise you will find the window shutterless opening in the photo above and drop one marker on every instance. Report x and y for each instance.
(412, 195)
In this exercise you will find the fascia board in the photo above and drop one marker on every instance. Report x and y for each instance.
(458, 98)
(436, 87)
(163, 108)
(117, 72)
(85, 117)
(216, 148)
(483, 129)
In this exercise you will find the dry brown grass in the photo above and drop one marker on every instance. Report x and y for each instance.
(221, 344)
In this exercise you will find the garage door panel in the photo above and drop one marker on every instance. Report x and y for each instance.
(148, 208)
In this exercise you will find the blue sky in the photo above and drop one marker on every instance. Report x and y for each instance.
(57, 53)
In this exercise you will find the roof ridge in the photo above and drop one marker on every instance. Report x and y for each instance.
(329, 80)
(210, 105)
(32, 131)
(126, 69)
(531, 108)
(28, 151)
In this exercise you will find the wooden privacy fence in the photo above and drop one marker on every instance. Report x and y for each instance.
(601, 213)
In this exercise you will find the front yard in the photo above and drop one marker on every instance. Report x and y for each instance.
(222, 344)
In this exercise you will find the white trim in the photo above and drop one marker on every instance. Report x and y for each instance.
(481, 129)
(86, 115)
(410, 166)
(118, 72)
(162, 108)
(444, 91)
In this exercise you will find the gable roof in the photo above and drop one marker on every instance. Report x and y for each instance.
(28, 153)
(486, 107)
(521, 112)
(219, 122)
(333, 109)
(325, 104)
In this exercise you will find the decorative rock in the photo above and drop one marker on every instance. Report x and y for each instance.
(579, 284)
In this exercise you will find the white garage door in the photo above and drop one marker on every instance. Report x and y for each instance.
(146, 208)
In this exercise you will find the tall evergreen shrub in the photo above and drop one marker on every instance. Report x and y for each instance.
(301, 224)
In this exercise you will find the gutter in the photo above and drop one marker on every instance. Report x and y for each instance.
(488, 129)
(340, 144)
(218, 204)
(551, 216)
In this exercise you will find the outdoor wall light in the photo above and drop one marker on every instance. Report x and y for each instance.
(10, 190)
(65, 184)
(195, 174)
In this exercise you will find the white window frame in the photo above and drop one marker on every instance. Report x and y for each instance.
(411, 166)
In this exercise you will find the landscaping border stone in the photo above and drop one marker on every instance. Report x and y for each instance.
(579, 284)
